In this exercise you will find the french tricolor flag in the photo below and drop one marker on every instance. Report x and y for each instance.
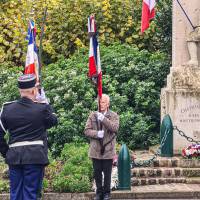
(148, 13)
(94, 55)
(32, 63)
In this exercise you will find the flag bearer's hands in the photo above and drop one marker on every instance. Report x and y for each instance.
(100, 134)
(41, 98)
(100, 116)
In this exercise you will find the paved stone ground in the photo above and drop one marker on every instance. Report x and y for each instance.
(142, 154)
(167, 188)
(168, 191)
(173, 190)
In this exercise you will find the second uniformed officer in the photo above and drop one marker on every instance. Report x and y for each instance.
(26, 152)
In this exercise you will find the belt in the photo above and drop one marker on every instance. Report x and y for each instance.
(27, 143)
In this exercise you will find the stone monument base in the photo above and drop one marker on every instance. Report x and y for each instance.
(181, 100)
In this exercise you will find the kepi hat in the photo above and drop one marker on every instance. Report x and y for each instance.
(26, 81)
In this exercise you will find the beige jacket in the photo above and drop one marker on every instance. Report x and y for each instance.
(110, 125)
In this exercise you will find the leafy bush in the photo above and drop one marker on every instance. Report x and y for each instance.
(131, 77)
(8, 83)
(72, 183)
(4, 186)
(70, 156)
(76, 173)
(51, 171)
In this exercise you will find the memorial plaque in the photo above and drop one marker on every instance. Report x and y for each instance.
(187, 119)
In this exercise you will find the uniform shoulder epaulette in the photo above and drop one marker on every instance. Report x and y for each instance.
(5, 104)
(40, 102)
(9, 102)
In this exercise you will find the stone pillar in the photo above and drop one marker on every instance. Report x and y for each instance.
(181, 97)
(181, 28)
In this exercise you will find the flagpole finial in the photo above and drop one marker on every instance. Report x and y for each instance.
(91, 25)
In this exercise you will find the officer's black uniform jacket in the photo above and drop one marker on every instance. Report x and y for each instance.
(25, 120)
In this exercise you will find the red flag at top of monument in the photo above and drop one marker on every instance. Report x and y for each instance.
(148, 13)
(95, 72)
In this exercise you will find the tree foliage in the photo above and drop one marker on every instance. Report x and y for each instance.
(131, 77)
(14, 17)
(66, 26)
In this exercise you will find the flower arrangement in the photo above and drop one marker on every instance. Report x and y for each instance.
(191, 151)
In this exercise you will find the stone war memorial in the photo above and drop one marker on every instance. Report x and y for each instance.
(181, 96)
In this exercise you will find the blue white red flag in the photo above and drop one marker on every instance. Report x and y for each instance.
(94, 55)
(32, 62)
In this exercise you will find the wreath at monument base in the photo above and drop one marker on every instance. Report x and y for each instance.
(192, 151)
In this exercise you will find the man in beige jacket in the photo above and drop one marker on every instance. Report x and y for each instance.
(101, 128)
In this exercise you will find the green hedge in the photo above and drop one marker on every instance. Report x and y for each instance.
(132, 78)
(76, 173)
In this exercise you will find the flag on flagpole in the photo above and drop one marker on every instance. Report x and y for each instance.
(148, 13)
(95, 72)
(32, 62)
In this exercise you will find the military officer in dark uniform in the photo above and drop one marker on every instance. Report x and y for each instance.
(26, 152)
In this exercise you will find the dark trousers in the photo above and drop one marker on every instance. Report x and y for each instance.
(25, 181)
(102, 166)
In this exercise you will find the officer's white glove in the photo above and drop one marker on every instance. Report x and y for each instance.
(100, 116)
(100, 134)
(41, 97)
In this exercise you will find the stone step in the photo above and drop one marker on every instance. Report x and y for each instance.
(193, 180)
(153, 181)
(165, 172)
(172, 162)
(169, 191)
